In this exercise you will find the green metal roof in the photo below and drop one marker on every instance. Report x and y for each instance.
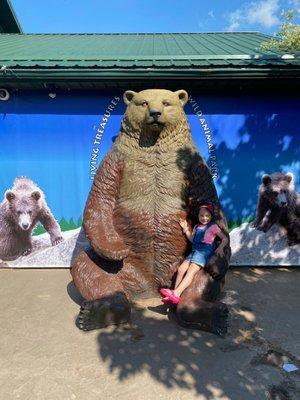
(86, 57)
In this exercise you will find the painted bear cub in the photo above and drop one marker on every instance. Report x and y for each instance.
(24, 205)
(279, 203)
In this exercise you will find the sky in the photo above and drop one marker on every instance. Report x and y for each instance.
(128, 16)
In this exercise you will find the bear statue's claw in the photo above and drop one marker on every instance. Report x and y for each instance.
(101, 313)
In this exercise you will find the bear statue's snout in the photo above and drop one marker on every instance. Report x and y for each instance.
(154, 118)
(155, 113)
(25, 226)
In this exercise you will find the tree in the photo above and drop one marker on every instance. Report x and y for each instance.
(288, 37)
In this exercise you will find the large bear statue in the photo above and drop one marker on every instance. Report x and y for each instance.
(152, 176)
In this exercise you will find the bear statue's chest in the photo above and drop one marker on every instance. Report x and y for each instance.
(153, 180)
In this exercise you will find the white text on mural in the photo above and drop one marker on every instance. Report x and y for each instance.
(208, 136)
(98, 137)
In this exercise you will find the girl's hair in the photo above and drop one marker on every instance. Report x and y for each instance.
(209, 207)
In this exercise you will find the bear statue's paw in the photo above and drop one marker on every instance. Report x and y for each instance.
(57, 240)
(103, 312)
(116, 252)
(217, 272)
(216, 322)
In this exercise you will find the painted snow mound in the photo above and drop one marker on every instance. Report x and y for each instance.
(44, 255)
(250, 246)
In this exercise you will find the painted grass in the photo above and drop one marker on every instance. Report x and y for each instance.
(238, 222)
(69, 225)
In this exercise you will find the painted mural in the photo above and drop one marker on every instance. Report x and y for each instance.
(56, 145)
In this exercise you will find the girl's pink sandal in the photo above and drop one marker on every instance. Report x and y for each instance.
(174, 298)
(166, 292)
(166, 300)
(170, 296)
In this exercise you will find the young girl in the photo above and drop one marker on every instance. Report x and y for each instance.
(202, 237)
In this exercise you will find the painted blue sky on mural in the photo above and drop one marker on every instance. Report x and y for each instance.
(51, 141)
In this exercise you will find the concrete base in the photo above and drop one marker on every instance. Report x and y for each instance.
(45, 357)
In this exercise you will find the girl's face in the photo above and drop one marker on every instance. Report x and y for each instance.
(204, 216)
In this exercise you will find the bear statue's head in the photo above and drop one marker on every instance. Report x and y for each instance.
(278, 187)
(154, 110)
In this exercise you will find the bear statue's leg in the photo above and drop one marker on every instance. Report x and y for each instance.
(106, 301)
(199, 307)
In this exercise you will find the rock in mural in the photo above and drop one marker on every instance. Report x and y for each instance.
(43, 255)
(250, 246)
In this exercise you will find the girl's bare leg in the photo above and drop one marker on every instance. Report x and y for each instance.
(181, 271)
(187, 280)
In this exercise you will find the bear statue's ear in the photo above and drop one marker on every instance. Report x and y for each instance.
(128, 96)
(289, 177)
(266, 179)
(9, 195)
(36, 195)
(183, 96)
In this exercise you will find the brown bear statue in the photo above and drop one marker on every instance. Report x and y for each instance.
(152, 176)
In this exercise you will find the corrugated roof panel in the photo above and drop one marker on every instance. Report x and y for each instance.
(162, 63)
(129, 50)
(145, 63)
(182, 63)
(220, 62)
(235, 45)
(208, 45)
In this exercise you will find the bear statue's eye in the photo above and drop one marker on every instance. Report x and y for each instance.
(284, 191)
(144, 103)
(166, 103)
(19, 212)
(29, 212)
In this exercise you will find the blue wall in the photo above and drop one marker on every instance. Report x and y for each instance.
(52, 141)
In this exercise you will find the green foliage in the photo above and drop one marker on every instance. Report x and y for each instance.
(80, 221)
(67, 226)
(237, 222)
(38, 230)
(72, 224)
(63, 223)
(288, 37)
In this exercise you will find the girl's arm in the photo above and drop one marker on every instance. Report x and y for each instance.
(219, 250)
(188, 234)
(186, 229)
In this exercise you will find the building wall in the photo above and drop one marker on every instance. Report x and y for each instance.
(59, 143)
